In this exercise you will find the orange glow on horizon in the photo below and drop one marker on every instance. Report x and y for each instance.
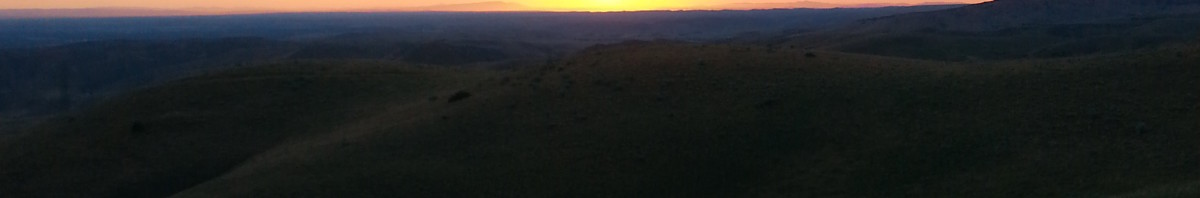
(608, 5)
(342, 5)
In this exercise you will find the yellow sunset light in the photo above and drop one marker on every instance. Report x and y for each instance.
(612, 5)
(607, 2)
(608, 5)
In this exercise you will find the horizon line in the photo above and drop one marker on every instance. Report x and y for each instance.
(503, 6)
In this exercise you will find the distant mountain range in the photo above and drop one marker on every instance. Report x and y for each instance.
(1004, 29)
(808, 4)
(502, 6)
(486, 6)
(760, 6)
(1004, 14)
(119, 12)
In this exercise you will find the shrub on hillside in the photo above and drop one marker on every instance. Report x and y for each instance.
(459, 96)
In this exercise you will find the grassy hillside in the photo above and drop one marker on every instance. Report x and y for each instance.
(159, 141)
(1191, 189)
(1035, 41)
(1015, 29)
(640, 120)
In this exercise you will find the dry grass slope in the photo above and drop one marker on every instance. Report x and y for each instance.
(159, 141)
(1166, 191)
(641, 120)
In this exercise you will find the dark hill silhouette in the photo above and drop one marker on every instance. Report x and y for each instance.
(195, 110)
(657, 119)
(445, 53)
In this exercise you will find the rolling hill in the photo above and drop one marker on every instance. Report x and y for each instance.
(639, 119)
(58, 65)
(113, 12)
(1011, 29)
(45, 81)
(1012, 98)
(1008, 14)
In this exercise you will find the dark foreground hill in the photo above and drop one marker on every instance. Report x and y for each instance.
(639, 120)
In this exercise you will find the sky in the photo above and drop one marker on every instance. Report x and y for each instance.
(338, 5)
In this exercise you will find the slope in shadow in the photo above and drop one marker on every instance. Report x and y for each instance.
(159, 141)
(638, 119)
